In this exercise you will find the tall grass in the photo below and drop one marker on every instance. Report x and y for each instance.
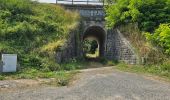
(162, 70)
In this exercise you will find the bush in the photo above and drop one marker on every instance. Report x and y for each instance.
(17, 6)
(147, 13)
(2, 77)
(166, 66)
(161, 37)
(49, 65)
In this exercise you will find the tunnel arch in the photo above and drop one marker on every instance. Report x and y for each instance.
(100, 35)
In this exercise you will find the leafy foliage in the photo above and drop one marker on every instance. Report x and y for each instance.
(147, 13)
(90, 46)
(161, 37)
(33, 31)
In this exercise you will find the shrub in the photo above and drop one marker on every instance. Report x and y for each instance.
(166, 66)
(2, 77)
(17, 6)
(161, 37)
(49, 65)
(147, 13)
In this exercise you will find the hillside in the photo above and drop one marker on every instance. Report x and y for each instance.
(34, 31)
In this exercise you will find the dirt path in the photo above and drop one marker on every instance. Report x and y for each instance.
(97, 84)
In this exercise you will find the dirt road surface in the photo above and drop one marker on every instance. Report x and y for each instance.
(93, 84)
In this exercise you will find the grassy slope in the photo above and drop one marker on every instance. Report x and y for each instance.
(34, 31)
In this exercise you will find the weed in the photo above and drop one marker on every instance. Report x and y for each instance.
(161, 70)
(2, 77)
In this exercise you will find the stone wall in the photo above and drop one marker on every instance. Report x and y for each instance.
(88, 12)
(69, 50)
(118, 48)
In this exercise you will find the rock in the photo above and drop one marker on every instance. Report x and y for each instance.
(4, 86)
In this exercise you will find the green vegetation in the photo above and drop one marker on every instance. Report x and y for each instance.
(146, 51)
(74, 64)
(60, 77)
(34, 31)
(147, 13)
(159, 70)
(91, 48)
(146, 24)
(161, 37)
(135, 17)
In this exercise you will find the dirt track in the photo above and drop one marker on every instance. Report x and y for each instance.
(97, 84)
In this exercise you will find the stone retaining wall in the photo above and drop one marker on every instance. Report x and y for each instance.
(118, 48)
(69, 50)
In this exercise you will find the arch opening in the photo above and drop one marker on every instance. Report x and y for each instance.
(95, 35)
(91, 47)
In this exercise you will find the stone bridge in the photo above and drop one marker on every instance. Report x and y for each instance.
(112, 44)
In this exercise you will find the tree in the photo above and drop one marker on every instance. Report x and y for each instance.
(149, 14)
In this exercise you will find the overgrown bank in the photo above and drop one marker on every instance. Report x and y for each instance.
(146, 24)
(34, 32)
(149, 29)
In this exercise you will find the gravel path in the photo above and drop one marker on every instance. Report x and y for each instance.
(97, 84)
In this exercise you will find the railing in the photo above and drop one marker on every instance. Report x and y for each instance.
(81, 2)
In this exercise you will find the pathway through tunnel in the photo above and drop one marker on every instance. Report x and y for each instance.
(94, 43)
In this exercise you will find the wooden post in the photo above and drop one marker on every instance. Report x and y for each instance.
(72, 2)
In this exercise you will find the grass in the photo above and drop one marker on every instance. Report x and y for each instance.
(61, 77)
(75, 64)
(158, 70)
(35, 31)
(95, 55)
